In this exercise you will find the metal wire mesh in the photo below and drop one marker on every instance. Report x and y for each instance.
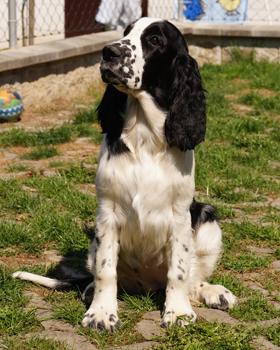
(4, 17)
(76, 17)
(47, 16)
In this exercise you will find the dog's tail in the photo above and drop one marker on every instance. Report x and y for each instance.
(52, 282)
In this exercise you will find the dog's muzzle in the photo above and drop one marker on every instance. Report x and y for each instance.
(110, 61)
(116, 65)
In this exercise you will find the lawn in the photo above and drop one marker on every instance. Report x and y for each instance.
(237, 170)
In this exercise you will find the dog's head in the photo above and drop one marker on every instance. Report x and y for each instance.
(153, 56)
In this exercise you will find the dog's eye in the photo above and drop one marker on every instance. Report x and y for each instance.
(154, 41)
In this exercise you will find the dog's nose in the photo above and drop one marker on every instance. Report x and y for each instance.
(110, 52)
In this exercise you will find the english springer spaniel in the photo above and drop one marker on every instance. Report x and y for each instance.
(150, 233)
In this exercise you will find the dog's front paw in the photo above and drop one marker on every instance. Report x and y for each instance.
(101, 319)
(182, 318)
(218, 297)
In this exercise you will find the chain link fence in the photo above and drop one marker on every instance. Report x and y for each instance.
(46, 20)
(35, 19)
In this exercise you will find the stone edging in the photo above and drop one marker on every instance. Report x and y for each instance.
(93, 43)
(148, 327)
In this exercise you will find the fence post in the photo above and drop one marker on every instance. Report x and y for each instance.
(180, 10)
(31, 19)
(12, 24)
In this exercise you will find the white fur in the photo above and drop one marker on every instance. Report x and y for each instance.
(43, 281)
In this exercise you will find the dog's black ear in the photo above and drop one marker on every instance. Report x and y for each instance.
(111, 110)
(111, 117)
(185, 124)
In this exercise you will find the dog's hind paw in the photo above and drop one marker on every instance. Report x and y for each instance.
(217, 296)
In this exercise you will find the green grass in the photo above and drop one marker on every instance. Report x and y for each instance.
(254, 232)
(205, 335)
(13, 319)
(18, 167)
(230, 282)
(256, 308)
(78, 173)
(35, 343)
(82, 125)
(232, 166)
(86, 116)
(272, 333)
(41, 152)
(261, 104)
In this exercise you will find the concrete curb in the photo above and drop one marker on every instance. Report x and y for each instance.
(56, 50)
(93, 43)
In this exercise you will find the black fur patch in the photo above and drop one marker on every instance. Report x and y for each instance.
(185, 248)
(201, 213)
(179, 91)
(180, 268)
(110, 112)
(98, 242)
(126, 42)
(224, 302)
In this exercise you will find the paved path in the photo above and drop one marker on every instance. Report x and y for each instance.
(148, 326)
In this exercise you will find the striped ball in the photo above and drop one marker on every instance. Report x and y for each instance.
(11, 105)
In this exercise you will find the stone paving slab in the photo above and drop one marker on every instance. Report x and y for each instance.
(55, 329)
(148, 328)
(54, 325)
(138, 346)
(276, 204)
(62, 331)
(75, 341)
(268, 323)
(264, 344)
(276, 265)
(256, 287)
(211, 315)
(152, 315)
(261, 251)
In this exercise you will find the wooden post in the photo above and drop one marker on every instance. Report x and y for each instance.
(31, 19)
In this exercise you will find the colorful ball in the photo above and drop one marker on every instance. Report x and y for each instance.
(11, 105)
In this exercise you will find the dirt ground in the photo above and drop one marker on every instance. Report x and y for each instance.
(60, 89)
(48, 102)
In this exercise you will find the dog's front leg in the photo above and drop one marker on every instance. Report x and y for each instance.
(103, 311)
(177, 308)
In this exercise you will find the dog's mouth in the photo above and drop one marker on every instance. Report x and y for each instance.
(110, 75)
(107, 74)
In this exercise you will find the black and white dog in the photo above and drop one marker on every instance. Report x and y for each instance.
(150, 233)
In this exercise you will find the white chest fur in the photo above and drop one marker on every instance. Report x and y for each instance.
(142, 190)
